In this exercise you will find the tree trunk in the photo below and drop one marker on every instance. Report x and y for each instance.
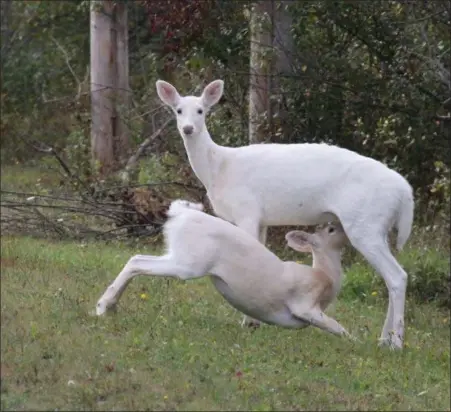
(110, 92)
(283, 57)
(271, 57)
(283, 40)
(123, 93)
(5, 12)
(260, 69)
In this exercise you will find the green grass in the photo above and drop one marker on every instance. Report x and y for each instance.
(181, 348)
(39, 177)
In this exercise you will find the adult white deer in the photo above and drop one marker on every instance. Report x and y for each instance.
(265, 185)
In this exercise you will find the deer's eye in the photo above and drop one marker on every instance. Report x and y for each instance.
(200, 111)
(179, 111)
(331, 230)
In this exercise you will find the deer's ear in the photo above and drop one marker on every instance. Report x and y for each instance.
(167, 93)
(301, 241)
(212, 93)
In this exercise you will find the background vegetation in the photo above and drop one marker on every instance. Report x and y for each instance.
(373, 77)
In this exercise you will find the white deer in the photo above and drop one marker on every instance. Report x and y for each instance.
(248, 275)
(263, 185)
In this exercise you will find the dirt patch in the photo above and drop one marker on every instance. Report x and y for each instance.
(5, 371)
(7, 263)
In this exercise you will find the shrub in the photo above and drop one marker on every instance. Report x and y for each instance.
(428, 278)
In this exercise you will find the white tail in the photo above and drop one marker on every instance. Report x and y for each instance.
(179, 206)
(404, 221)
(245, 272)
(301, 184)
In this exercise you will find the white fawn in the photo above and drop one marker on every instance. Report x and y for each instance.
(263, 185)
(248, 275)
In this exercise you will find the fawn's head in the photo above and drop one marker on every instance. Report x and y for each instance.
(329, 237)
(190, 111)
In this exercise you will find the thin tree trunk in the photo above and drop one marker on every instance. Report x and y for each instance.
(283, 57)
(283, 40)
(5, 16)
(271, 56)
(109, 85)
(260, 68)
(122, 86)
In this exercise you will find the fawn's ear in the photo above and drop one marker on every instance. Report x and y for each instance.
(212, 93)
(167, 93)
(301, 241)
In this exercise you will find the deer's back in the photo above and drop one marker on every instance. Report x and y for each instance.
(297, 184)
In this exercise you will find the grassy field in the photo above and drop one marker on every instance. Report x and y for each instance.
(178, 346)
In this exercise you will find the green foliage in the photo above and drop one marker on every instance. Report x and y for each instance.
(78, 153)
(366, 87)
(34, 65)
(368, 76)
(157, 169)
(45, 53)
(428, 278)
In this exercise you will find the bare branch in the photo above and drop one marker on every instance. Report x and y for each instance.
(67, 58)
(148, 112)
(443, 118)
(47, 149)
(131, 163)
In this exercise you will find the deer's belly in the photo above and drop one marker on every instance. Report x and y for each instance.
(276, 213)
(294, 214)
(280, 315)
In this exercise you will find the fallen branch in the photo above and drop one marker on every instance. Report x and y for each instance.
(112, 212)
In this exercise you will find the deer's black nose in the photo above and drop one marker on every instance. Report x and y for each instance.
(188, 129)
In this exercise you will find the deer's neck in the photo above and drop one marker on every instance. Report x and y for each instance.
(330, 264)
(205, 157)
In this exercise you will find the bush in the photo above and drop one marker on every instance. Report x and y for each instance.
(428, 278)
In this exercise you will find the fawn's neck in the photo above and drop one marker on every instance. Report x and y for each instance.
(329, 263)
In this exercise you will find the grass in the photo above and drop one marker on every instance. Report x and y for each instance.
(38, 177)
(179, 346)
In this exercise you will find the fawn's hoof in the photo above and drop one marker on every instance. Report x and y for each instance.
(253, 324)
(250, 323)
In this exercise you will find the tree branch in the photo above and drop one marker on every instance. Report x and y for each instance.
(67, 58)
(131, 163)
